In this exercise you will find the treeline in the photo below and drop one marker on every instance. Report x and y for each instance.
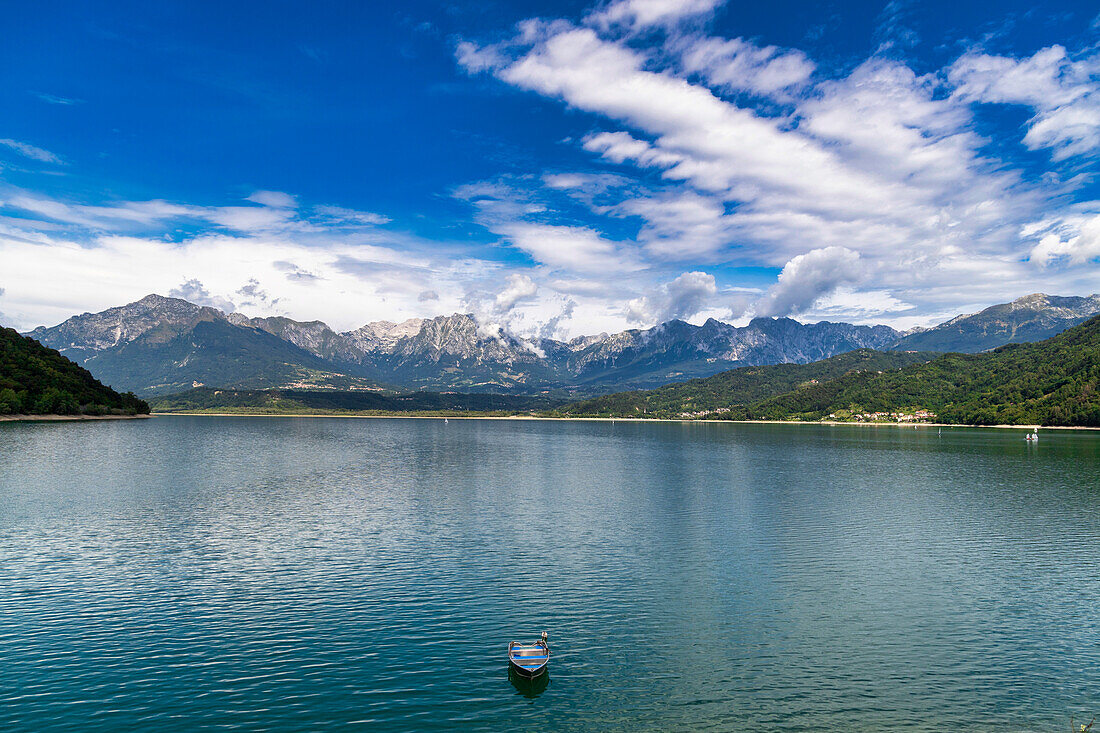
(743, 386)
(289, 401)
(1051, 382)
(36, 380)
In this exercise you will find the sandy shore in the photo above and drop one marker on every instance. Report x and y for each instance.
(622, 419)
(68, 418)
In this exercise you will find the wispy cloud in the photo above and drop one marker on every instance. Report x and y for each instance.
(1063, 92)
(31, 151)
(54, 99)
(877, 178)
(341, 215)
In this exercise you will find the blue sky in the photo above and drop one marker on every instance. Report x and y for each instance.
(555, 168)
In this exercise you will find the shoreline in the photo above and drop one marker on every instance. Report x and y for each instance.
(69, 418)
(621, 419)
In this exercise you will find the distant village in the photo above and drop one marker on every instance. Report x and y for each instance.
(916, 416)
(900, 417)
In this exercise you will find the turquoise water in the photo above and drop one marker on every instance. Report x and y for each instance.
(310, 574)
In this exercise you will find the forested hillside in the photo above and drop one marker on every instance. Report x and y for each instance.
(742, 386)
(1051, 382)
(290, 401)
(36, 380)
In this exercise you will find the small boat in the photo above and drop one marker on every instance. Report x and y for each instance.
(529, 660)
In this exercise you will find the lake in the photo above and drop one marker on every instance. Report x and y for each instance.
(330, 573)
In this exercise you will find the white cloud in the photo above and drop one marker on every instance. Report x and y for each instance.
(54, 99)
(31, 151)
(519, 287)
(643, 13)
(310, 274)
(808, 277)
(506, 209)
(249, 218)
(576, 249)
(340, 215)
(1064, 94)
(880, 163)
(738, 65)
(681, 298)
(193, 291)
(276, 199)
(1076, 241)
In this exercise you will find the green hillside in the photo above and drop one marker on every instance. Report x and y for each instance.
(742, 386)
(35, 380)
(279, 401)
(1052, 382)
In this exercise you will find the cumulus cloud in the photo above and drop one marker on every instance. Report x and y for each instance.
(681, 298)
(253, 294)
(195, 292)
(1076, 243)
(427, 296)
(808, 277)
(519, 287)
(31, 151)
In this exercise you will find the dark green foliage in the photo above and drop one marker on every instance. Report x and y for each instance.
(304, 401)
(37, 380)
(737, 387)
(1052, 382)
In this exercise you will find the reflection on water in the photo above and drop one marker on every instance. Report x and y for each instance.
(526, 686)
(313, 574)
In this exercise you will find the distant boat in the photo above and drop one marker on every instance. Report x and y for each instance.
(1032, 436)
(529, 660)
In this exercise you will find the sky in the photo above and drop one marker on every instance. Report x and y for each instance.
(555, 168)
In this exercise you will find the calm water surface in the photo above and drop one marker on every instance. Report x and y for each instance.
(311, 574)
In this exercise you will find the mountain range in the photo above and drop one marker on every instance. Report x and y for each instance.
(1055, 381)
(161, 345)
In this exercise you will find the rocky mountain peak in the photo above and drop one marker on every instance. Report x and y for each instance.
(153, 315)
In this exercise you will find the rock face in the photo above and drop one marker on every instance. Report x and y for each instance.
(1031, 318)
(155, 317)
(159, 345)
(678, 350)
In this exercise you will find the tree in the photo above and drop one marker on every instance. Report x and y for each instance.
(10, 404)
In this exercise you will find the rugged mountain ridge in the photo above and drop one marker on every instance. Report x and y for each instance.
(158, 345)
(1031, 318)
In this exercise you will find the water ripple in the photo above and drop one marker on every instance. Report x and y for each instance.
(236, 574)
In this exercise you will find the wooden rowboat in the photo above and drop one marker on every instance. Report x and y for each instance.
(529, 660)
